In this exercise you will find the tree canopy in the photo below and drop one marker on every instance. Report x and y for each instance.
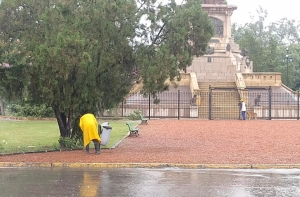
(87, 53)
(267, 43)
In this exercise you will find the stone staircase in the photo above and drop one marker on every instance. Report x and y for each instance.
(204, 86)
(225, 98)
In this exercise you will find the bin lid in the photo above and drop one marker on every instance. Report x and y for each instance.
(106, 125)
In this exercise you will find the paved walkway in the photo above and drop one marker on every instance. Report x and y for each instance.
(191, 144)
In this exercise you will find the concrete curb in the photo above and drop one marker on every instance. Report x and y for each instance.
(151, 165)
(117, 144)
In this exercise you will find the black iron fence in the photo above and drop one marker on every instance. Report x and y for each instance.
(266, 103)
(164, 105)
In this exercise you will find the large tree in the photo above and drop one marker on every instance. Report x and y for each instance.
(171, 36)
(13, 77)
(87, 53)
(260, 42)
(267, 43)
(76, 48)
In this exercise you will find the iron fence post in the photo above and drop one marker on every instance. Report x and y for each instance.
(149, 104)
(298, 105)
(209, 103)
(270, 103)
(178, 104)
(122, 108)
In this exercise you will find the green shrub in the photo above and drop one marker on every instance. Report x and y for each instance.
(135, 115)
(156, 101)
(30, 110)
(14, 109)
(56, 146)
(68, 143)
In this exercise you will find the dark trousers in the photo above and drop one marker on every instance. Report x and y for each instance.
(244, 115)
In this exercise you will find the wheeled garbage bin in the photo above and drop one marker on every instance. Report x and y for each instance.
(105, 135)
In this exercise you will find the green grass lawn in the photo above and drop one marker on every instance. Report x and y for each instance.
(34, 136)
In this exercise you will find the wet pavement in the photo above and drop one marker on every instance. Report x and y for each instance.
(147, 182)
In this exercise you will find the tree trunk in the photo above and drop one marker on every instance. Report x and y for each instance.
(100, 111)
(2, 107)
(69, 123)
(62, 121)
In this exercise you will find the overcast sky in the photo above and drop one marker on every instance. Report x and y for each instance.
(276, 9)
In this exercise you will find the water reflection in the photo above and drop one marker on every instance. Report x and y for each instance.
(92, 182)
(89, 186)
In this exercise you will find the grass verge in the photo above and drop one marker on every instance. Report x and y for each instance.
(35, 136)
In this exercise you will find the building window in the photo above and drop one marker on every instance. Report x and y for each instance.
(208, 59)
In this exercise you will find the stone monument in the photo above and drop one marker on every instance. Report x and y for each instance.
(223, 57)
(226, 73)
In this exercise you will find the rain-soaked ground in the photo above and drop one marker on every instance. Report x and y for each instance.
(145, 182)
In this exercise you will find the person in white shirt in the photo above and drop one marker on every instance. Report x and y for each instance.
(243, 109)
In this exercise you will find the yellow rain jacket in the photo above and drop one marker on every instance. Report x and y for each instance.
(89, 126)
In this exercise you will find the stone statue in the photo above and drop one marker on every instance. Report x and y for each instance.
(244, 52)
(193, 100)
(228, 47)
(209, 50)
(257, 100)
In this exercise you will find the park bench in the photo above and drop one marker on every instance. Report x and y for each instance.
(143, 120)
(133, 131)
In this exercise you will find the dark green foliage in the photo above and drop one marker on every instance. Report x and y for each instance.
(266, 45)
(14, 62)
(85, 55)
(28, 110)
(135, 115)
(69, 143)
(177, 34)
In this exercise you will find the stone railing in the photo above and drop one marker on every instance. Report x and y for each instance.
(259, 79)
(239, 81)
(159, 110)
(277, 112)
(289, 89)
(193, 83)
(194, 88)
(240, 84)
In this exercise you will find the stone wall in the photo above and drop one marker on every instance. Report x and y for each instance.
(220, 69)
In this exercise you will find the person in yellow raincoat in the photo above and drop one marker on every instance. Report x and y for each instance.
(89, 126)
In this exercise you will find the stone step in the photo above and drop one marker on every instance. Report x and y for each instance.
(218, 83)
(221, 97)
(204, 86)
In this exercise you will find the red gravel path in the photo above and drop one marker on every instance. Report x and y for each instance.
(194, 142)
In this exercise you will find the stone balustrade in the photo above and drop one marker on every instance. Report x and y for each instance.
(262, 79)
